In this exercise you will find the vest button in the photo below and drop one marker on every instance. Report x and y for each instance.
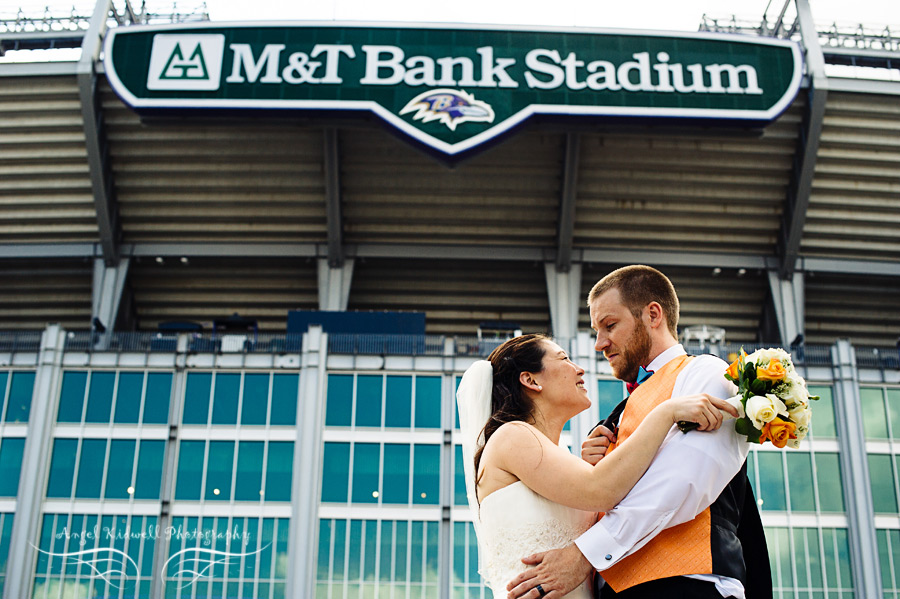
(608, 557)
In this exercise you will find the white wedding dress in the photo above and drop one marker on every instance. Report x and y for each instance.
(515, 522)
(512, 522)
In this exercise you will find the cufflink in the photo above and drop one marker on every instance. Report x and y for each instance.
(608, 557)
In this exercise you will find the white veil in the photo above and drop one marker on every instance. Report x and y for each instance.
(473, 398)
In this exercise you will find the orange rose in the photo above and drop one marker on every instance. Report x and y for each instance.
(734, 371)
(773, 372)
(778, 432)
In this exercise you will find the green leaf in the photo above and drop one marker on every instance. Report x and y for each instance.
(750, 371)
(743, 426)
(815, 397)
(758, 387)
(753, 436)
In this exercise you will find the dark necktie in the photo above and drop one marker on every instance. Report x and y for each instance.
(642, 376)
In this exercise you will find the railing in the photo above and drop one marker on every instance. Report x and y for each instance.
(194, 343)
(808, 355)
(406, 345)
(882, 358)
(20, 341)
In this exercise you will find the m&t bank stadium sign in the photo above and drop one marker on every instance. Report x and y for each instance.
(457, 87)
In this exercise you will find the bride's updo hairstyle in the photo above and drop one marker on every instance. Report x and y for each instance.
(509, 403)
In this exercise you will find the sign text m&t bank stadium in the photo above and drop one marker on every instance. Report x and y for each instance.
(453, 88)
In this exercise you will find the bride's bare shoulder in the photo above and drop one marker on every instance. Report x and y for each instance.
(513, 436)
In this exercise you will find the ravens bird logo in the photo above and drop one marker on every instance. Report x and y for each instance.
(450, 107)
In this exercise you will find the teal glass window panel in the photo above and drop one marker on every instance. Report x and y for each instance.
(426, 474)
(120, 469)
(751, 471)
(20, 391)
(189, 478)
(874, 417)
(402, 550)
(366, 457)
(225, 398)
(893, 400)
(71, 396)
(279, 470)
(148, 480)
(340, 549)
(828, 480)
(339, 405)
(196, 398)
(368, 400)
(431, 555)
(100, 395)
(800, 479)
(128, 397)
(884, 558)
(324, 552)
(823, 422)
(398, 401)
(371, 550)
(4, 379)
(90, 468)
(11, 450)
(62, 468)
(416, 551)
(771, 480)
(395, 481)
(255, 402)
(428, 402)
(881, 476)
(609, 395)
(284, 399)
(219, 466)
(387, 545)
(837, 558)
(335, 472)
(5, 536)
(894, 538)
(159, 394)
(248, 485)
(459, 478)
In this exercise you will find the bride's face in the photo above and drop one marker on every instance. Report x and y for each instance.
(562, 381)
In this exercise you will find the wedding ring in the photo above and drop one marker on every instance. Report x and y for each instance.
(540, 590)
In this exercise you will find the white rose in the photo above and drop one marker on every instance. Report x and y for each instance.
(762, 409)
(800, 416)
(793, 443)
(793, 391)
(764, 356)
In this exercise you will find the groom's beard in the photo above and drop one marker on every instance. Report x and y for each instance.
(635, 354)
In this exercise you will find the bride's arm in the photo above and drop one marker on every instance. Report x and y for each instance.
(556, 474)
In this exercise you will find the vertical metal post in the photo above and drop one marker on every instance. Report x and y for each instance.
(564, 295)
(305, 490)
(167, 490)
(35, 461)
(855, 472)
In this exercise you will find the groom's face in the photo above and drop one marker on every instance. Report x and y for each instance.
(621, 337)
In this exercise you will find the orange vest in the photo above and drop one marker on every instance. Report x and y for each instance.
(677, 551)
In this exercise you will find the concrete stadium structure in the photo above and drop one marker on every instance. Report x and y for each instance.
(327, 464)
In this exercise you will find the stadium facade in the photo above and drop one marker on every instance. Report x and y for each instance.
(164, 433)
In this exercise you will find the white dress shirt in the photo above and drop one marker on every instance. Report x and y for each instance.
(686, 476)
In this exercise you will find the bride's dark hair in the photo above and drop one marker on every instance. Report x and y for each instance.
(524, 353)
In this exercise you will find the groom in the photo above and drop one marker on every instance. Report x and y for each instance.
(690, 526)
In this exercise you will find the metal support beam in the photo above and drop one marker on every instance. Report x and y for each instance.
(95, 139)
(305, 492)
(810, 133)
(564, 293)
(855, 472)
(790, 310)
(567, 202)
(333, 198)
(109, 282)
(334, 285)
(35, 461)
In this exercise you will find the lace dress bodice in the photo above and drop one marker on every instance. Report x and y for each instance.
(515, 522)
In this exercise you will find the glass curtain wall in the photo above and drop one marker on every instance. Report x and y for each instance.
(102, 532)
(881, 424)
(16, 389)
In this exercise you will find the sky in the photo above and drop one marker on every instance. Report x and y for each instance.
(667, 15)
(682, 15)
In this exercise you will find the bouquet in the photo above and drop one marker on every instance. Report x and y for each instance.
(772, 400)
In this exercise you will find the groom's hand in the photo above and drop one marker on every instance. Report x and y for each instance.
(595, 446)
(558, 572)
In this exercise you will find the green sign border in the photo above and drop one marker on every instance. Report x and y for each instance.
(755, 117)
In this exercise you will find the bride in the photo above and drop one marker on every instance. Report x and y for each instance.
(531, 495)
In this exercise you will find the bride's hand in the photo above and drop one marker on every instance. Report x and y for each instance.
(702, 409)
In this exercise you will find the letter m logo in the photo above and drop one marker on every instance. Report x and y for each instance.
(186, 62)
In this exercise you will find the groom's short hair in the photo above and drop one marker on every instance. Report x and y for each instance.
(639, 285)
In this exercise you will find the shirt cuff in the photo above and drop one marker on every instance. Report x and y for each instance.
(599, 547)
